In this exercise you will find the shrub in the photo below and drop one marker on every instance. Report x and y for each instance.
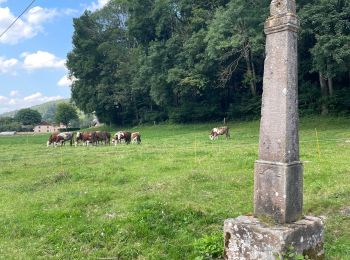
(247, 108)
(13, 126)
(209, 247)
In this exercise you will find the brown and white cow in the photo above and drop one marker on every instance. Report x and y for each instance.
(67, 136)
(215, 132)
(136, 138)
(86, 138)
(103, 136)
(54, 139)
(60, 138)
(120, 136)
(116, 137)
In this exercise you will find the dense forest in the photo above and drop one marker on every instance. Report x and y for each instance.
(138, 61)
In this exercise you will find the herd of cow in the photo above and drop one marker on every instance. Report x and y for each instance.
(103, 137)
(93, 138)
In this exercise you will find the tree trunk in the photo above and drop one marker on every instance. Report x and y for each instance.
(137, 117)
(330, 86)
(324, 92)
(250, 72)
(253, 70)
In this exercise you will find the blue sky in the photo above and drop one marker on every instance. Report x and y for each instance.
(34, 50)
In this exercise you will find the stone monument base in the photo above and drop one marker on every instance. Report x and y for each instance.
(247, 238)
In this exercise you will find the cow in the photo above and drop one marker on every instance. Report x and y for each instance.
(116, 138)
(55, 139)
(67, 136)
(136, 138)
(103, 136)
(215, 132)
(86, 138)
(60, 138)
(122, 135)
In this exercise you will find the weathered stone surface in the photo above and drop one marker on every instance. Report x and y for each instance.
(278, 176)
(246, 238)
(279, 7)
(276, 24)
(278, 190)
(279, 141)
(278, 172)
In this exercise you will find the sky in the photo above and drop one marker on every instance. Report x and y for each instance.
(33, 52)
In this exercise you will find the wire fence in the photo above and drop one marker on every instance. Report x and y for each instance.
(195, 147)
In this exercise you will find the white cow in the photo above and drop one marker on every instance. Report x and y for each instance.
(215, 132)
(136, 138)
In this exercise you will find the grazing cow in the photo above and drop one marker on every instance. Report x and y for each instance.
(122, 135)
(60, 138)
(117, 137)
(103, 136)
(136, 138)
(215, 132)
(67, 136)
(86, 138)
(55, 139)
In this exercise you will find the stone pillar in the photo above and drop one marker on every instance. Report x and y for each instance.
(278, 174)
(278, 177)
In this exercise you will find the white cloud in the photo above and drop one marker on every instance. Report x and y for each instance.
(70, 11)
(9, 104)
(31, 61)
(33, 97)
(3, 99)
(6, 65)
(41, 60)
(14, 93)
(20, 30)
(38, 98)
(65, 82)
(97, 5)
(38, 15)
(30, 25)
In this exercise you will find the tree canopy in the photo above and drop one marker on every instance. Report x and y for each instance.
(151, 60)
(65, 113)
(9, 124)
(28, 116)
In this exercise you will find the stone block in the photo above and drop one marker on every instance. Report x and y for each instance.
(278, 190)
(278, 7)
(279, 140)
(247, 238)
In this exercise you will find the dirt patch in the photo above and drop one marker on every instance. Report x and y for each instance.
(345, 211)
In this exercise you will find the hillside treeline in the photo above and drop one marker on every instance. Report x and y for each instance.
(183, 60)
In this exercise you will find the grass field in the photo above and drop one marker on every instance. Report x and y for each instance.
(164, 199)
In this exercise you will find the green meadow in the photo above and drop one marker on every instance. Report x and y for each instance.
(164, 199)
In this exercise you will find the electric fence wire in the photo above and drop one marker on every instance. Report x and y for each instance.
(161, 150)
(23, 12)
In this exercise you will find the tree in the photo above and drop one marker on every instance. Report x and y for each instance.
(9, 124)
(28, 116)
(102, 64)
(235, 35)
(327, 24)
(184, 60)
(65, 113)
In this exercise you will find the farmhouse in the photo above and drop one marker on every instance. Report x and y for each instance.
(45, 127)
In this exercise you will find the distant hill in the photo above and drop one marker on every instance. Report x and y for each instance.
(47, 110)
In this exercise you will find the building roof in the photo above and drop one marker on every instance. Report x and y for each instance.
(44, 123)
